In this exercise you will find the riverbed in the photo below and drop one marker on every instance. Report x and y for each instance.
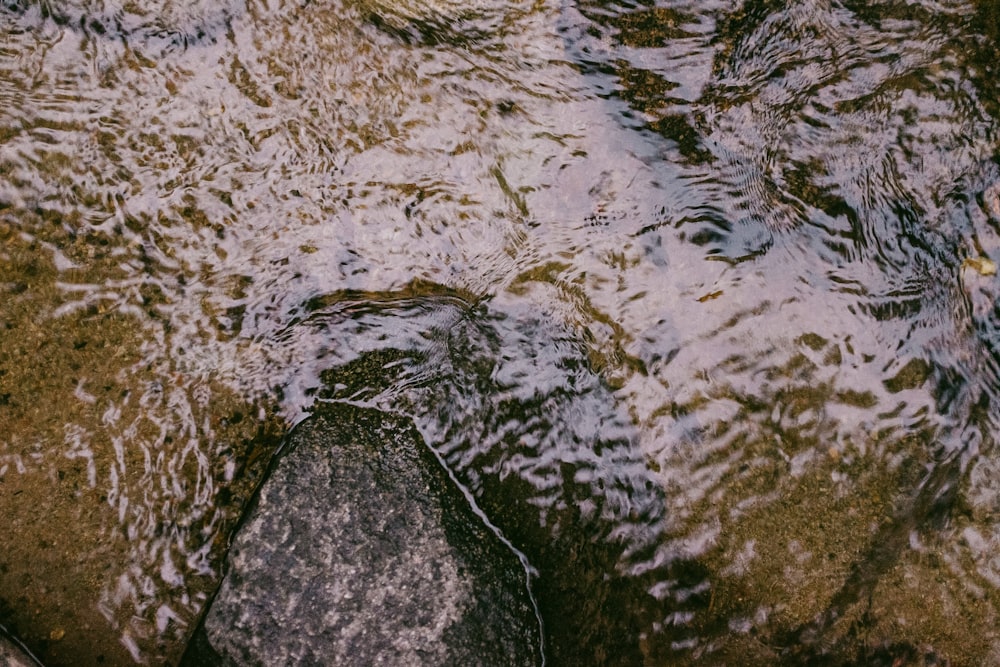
(696, 299)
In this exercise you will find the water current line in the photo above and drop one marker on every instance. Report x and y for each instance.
(529, 569)
(9, 636)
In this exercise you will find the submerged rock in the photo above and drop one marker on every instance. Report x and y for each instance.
(12, 655)
(362, 550)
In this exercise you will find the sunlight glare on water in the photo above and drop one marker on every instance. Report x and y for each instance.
(685, 293)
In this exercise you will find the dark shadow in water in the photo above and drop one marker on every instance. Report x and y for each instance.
(543, 452)
(568, 511)
(929, 509)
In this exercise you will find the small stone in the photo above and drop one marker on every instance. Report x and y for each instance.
(57, 634)
(984, 266)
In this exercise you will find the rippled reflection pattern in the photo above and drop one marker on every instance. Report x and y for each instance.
(679, 291)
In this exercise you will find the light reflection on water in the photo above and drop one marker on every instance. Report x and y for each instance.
(676, 289)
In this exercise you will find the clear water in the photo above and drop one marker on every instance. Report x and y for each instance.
(687, 294)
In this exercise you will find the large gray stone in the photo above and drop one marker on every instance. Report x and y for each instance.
(361, 550)
(12, 655)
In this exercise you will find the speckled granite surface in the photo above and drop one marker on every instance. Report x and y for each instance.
(361, 550)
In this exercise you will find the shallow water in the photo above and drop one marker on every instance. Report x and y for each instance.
(679, 291)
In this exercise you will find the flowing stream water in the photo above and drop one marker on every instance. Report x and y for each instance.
(697, 299)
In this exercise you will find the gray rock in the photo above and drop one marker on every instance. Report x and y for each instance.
(361, 550)
(12, 655)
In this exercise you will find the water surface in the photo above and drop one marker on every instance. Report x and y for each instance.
(679, 291)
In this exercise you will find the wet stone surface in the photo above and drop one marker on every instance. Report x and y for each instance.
(362, 551)
(12, 655)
